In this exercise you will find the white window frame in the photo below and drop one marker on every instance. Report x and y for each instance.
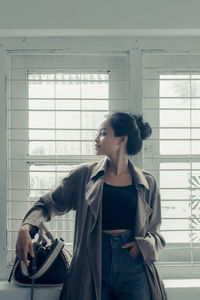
(151, 152)
(3, 168)
(103, 66)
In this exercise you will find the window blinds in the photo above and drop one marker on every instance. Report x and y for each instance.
(55, 105)
(171, 103)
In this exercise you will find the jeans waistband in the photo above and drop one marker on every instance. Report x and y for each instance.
(118, 239)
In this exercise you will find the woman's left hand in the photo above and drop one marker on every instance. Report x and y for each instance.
(134, 251)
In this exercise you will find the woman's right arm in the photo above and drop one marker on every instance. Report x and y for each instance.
(30, 225)
(24, 243)
(57, 202)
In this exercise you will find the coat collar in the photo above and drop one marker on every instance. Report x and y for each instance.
(100, 167)
(137, 173)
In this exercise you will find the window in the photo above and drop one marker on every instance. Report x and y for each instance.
(55, 105)
(171, 102)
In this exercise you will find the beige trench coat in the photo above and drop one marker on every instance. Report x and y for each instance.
(82, 190)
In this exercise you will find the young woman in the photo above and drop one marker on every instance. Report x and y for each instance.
(118, 217)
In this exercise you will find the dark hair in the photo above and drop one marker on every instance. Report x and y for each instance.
(132, 126)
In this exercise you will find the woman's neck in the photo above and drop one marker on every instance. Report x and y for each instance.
(118, 165)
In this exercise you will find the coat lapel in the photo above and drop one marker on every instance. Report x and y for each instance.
(93, 196)
(143, 212)
(94, 189)
(143, 209)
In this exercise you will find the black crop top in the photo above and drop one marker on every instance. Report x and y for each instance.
(118, 207)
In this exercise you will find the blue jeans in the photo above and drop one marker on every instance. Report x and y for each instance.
(123, 276)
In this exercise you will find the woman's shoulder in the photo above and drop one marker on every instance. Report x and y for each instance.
(84, 168)
(147, 175)
(144, 172)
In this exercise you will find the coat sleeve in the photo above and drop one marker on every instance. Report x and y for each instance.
(56, 202)
(153, 241)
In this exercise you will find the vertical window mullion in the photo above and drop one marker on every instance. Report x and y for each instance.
(190, 221)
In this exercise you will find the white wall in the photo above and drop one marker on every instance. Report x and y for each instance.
(133, 15)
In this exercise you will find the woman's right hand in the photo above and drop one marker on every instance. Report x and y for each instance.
(24, 244)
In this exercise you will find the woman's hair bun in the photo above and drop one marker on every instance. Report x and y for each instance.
(132, 126)
(144, 127)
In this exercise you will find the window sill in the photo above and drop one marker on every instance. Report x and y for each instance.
(183, 289)
(182, 283)
(9, 291)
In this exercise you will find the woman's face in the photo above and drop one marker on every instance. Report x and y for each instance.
(106, 143)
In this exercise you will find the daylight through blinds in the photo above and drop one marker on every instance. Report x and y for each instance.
(55, 106)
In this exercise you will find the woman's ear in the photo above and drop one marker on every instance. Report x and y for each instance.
(124, 139)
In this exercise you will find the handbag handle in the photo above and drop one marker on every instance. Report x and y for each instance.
(43, 229)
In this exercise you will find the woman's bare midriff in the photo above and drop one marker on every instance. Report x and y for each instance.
(115, 231)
